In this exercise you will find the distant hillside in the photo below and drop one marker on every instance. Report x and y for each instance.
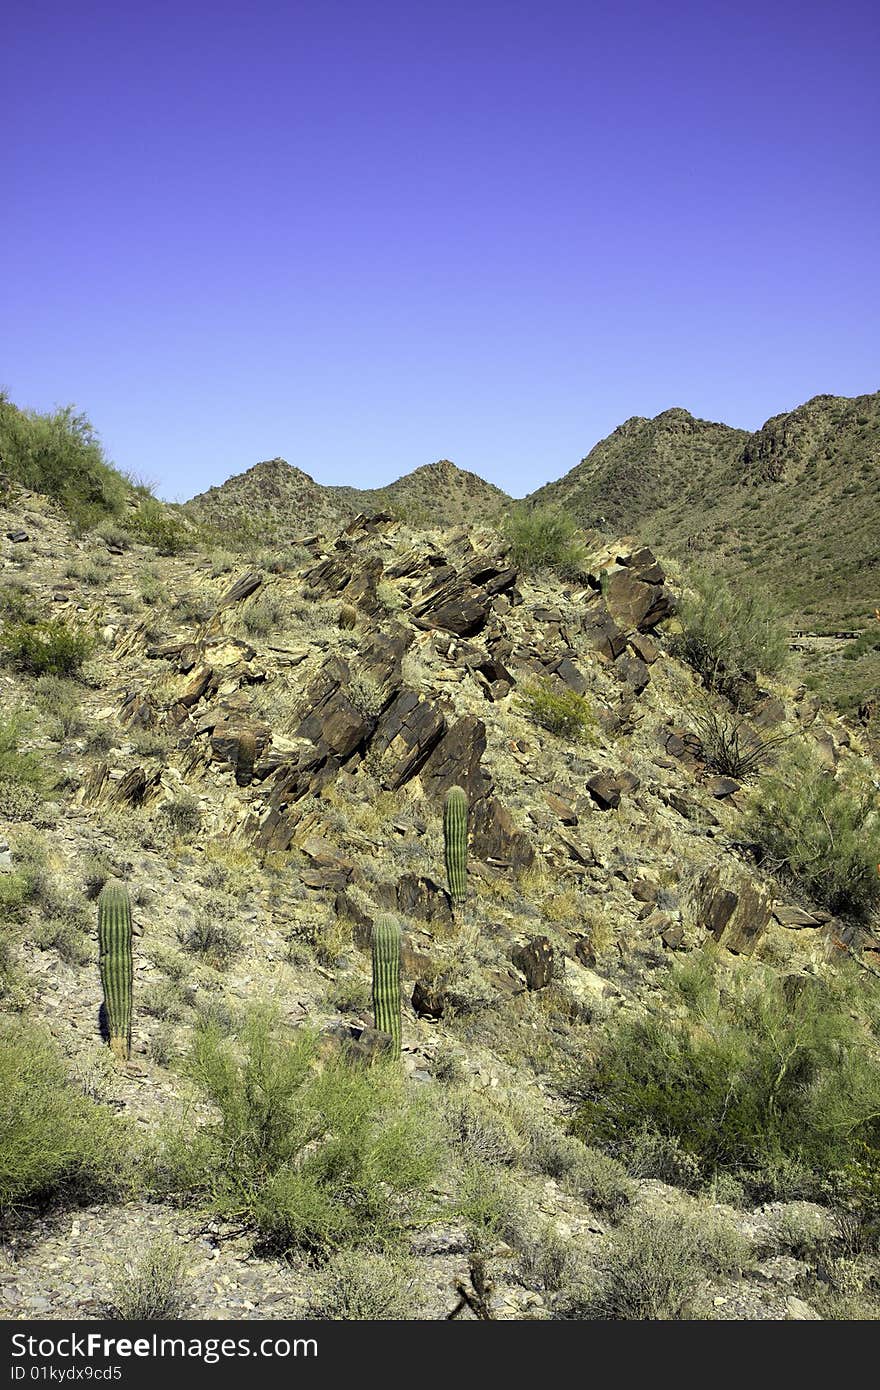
(795, 505)
(280, 499)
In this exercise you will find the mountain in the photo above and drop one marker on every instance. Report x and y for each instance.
(795, 506)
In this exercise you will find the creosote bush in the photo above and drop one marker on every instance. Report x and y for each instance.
(46, 647)
(559, 710)
(315, 1157)
(821, 830)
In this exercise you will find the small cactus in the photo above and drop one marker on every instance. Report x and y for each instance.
(244, 758)
(455, 831)
(348, 616)
(115, 964)
(386, 977)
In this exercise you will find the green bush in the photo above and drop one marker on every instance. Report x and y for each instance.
(777, 1085)
(54, 1141)
(821, 831)
(727, 632)
(25, 769)
(559, 710)
(59, 698)
(543, 539)
(315, 1157)
(155, 525)
(59, 454)
(46, 647)
(358, 1286)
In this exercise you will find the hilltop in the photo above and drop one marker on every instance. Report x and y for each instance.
(280, 500)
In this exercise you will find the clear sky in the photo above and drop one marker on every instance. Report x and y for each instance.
(367, 234)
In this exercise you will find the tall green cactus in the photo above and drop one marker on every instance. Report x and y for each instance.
(455, 818)
(115, 963)
(386, 977)
(244, 758)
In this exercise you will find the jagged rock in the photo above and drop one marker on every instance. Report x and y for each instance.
(241, 589)
(455, 607)
(455, 761)
(428, 999)
(495, 838)
(634, 671)
(131, 789)
(644, 647)
(569, 674)
(195, 687)
(17, 536)
(644, 890)
(423, 899)
(562, 809)
(225, 740)
(535, 960)
(721, 787)
(602, 632)
(732, 908)
(362, 922)
(797, 917)
(606, 788)
(332, 721)
(583, 950)
(406, 733)
(690, 810)
(137, 712)
(637, 604)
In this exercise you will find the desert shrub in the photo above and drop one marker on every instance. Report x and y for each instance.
(154, 524)
(183, 814)
(821, 830)
(264, 615)
(559, 710)
(548, 1260)
(54, 1141)
(744, 1075)
(364, 1287)
(46, 647)
(16, 604)
(28, 878)
(490, 1203)
(478, 1130)
(596, 1177)
(543, 539)
(653, 1264)
(351, 995)
(59, 454)
(59, 698)
(18, 766)
(153, 1288)
(728, 631)
(368, 695)
(218, 941)
(315, 1159)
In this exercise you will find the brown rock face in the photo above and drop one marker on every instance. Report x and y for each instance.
(637, 604)
(455, 761)
(535, 960)
(732, 907)
(406, 733)
(495, 838)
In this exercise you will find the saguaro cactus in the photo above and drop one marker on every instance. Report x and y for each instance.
(115, 963)
(455, 817)
(244, 758)
(386, 977)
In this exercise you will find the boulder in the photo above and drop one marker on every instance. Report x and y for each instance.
(535, 960)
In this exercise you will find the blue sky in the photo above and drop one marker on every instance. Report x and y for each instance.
(365, 236)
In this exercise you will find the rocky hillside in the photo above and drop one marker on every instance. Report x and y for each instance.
(260, 747)
(794, 506)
